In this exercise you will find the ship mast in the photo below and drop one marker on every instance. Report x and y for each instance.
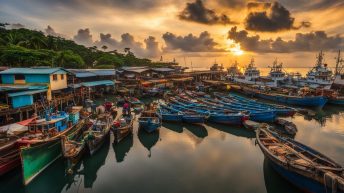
(320, 58)
(339, 65)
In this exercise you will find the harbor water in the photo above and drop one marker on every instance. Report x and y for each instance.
(185, 158)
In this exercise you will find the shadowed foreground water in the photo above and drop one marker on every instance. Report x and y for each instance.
(186, 158)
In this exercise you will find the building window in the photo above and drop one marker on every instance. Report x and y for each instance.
(19, 77)
(54, 77)
(62, 76)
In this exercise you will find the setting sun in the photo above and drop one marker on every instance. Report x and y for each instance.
(234, 47)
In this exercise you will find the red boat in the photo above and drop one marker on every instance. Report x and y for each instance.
(9, 148)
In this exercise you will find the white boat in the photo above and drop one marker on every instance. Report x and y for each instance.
(319, 76)
(251, 74)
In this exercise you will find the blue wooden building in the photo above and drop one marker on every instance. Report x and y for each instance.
(23, 86)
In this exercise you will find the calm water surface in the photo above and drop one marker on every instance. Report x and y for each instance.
(186, 158)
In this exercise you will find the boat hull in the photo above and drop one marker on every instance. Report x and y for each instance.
(316, 101)
(36, 158)
(172, 117)
(193, 119)
(336, 101)
(303, 183)
(149, 126)
(96, 144)
(226, 119)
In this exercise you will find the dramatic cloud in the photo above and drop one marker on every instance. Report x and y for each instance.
(84, 37)
(275, 17)
(197, 12)
(232, 3)
(313, 41)
(190, 43)
(149, 49)
(50, 31)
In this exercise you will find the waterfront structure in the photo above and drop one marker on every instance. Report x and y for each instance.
(24, 85)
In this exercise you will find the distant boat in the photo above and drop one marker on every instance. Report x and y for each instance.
(304, 167)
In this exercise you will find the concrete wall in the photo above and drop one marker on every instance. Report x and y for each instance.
(59, 83)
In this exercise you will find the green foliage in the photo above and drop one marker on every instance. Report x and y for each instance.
(110, 59)
(68, 59)
(25, 48)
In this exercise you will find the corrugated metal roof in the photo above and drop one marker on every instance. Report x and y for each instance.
(29, 92)
(163, 69)
(84, 74)
(34, 70)
(97, 83)
(108, 72)
(20, 87)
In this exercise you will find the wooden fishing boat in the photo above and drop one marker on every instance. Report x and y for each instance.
(169, 115)
(289, 127)
(307, 101)
(73, 146)
(9, 148)
(188, 116)
(301, 165)
(150, 120)
(42, 146)
(252, 125)
(122, 127)
(98, 132)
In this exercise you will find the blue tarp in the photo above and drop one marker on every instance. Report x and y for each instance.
(29, 92)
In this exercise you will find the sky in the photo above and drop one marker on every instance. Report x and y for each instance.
(195, 32)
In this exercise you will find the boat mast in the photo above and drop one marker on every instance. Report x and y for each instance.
(339, 65)
(320, 58)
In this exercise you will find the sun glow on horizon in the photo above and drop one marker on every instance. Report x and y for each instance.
(234, 47)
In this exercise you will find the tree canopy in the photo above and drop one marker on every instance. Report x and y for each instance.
(25, 48)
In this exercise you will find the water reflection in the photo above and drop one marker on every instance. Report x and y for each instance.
(198, 130)
(275, 182)
(148, 140)
(323, 115)
(176, 127)
(91, 164)
(122, 148)
(234, 130)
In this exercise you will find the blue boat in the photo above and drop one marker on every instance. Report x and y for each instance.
(238, 100)
(301, 165)
(169, 115)
(150, 121)
(216, 116)
(256, 114)
(306, 101)
(336, 101)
